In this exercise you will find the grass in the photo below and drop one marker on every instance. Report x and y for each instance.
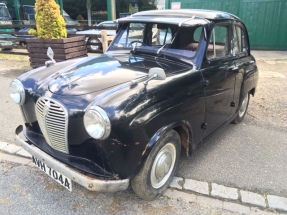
(13, 57)
(281, 59)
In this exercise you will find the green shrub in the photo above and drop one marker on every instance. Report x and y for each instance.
(49, 21)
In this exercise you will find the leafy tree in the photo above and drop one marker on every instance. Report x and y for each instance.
(147, 5)
(122, 6)
(50, 23)
(76, 7)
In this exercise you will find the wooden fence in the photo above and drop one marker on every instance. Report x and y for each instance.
(19, 38)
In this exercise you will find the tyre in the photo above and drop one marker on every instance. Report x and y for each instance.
(242, 110)
(159, 168)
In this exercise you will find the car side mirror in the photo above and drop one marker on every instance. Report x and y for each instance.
(50, 55)
(155, 74)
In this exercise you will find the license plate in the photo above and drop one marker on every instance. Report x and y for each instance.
(60, 178)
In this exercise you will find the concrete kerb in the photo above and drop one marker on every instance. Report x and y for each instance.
(13, 149)
(231, 198)
(200, 192)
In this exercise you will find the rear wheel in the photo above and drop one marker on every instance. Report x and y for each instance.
(159, 168)
(242, 110)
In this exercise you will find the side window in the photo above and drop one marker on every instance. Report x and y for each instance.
(218, 43)
(239, 41)
(188, 38)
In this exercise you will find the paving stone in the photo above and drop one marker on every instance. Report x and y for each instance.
(175, 194)
(256, 211)
(3, 145)
(276, 202)
(177, 183)
(224, 192)
(236, 208)
(24, 153)
(252, 198)
(196, 186)
(14, 159)
(210, 202)
(11, 148)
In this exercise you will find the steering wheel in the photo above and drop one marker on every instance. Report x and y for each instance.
(136, 41)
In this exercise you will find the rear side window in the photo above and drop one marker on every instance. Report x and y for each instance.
(218, 43)
(239, 41)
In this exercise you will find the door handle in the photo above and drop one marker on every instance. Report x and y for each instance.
(236, 67)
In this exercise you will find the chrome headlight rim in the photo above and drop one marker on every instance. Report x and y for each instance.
(104, 118)
(20, 90)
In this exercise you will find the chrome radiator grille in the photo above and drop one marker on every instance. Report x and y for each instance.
(53, 121)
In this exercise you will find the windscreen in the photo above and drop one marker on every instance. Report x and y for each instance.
(108, 25)
(29, 10)
(4, 13)
(157, 37)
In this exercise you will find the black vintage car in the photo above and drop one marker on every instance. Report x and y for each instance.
(162, 88)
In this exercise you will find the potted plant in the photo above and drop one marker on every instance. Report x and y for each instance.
(51, 32)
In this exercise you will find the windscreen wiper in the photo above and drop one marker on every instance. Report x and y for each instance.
(159, 50)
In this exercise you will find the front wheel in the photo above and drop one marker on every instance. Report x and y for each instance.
(159, 168)
(242, 110)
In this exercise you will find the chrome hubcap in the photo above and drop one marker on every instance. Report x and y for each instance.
(243, 106)
(163, 165)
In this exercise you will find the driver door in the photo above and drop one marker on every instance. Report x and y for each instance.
(219, 79)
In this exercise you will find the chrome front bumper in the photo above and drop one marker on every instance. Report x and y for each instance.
(88, 182)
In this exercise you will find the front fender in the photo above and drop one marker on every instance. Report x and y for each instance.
(154, 139)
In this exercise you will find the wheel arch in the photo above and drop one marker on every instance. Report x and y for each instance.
(184, 131)
(249, 84)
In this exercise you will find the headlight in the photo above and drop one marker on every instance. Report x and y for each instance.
(17, 92)
(97, 123)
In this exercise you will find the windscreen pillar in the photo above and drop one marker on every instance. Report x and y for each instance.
(111, 10)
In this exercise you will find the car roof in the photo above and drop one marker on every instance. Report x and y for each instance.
(178, 16)
(107, 22)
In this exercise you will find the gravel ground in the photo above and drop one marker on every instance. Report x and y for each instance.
(269, 106)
